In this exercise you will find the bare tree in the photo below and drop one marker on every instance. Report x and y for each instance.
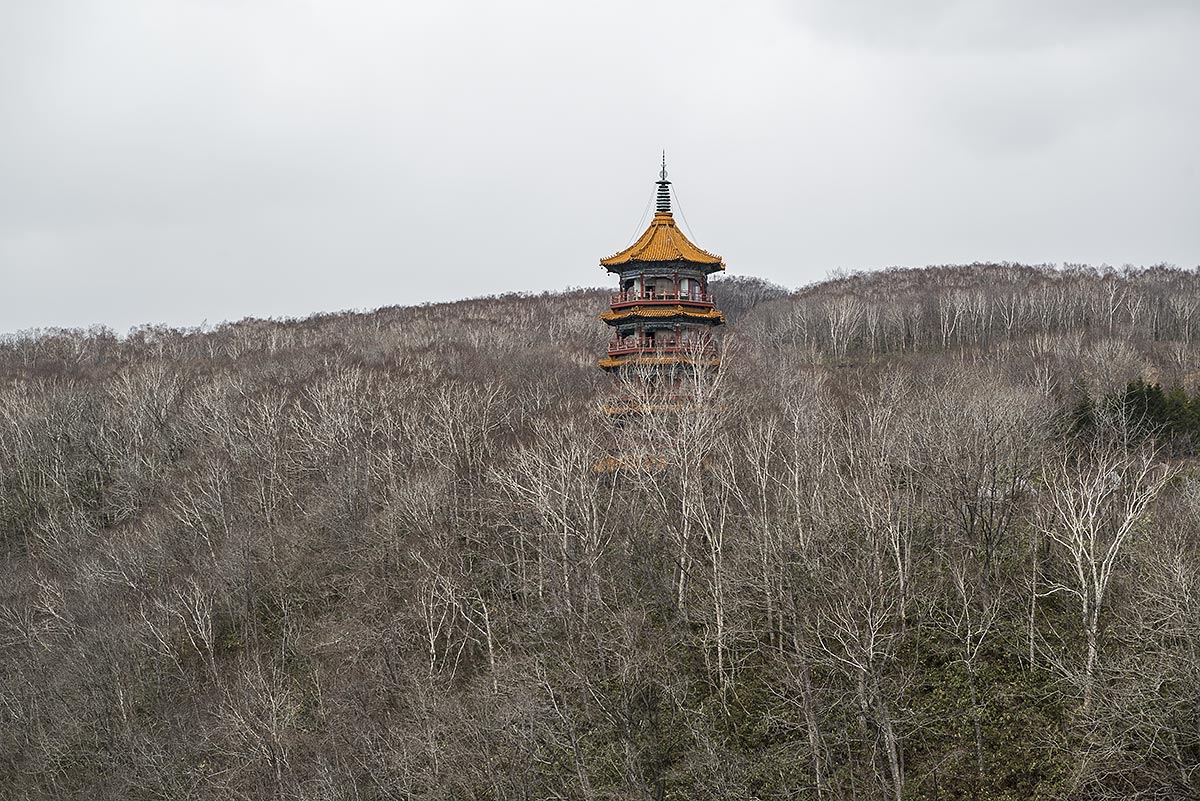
(1093, 504)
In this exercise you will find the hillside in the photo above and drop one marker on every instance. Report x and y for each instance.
(933, 534)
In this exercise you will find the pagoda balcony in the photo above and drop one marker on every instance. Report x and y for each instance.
(631, 297)
(687, 347)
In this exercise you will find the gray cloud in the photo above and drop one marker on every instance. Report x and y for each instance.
(177, 161)
(985, 25)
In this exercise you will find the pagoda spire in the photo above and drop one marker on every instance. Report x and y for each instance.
(664, 191)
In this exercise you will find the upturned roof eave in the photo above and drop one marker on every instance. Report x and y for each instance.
(679, 312)
(632, 264)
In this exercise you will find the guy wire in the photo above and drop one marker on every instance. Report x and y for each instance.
(641, 220)
(681, 214)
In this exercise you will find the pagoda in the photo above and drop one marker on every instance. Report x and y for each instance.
(663, 317)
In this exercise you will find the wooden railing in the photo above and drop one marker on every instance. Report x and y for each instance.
(662, 297)
(698, 347)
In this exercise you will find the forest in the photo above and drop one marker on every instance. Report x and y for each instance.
(928, 534)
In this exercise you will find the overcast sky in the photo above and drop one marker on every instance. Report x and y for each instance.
(180, 161)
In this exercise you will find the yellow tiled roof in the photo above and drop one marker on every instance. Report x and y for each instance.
(662, 311)
(611, 464)
(609, 361)
(662, 241)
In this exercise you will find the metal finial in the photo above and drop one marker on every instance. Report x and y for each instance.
(664, 193)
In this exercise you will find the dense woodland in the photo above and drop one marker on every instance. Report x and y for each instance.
(929, 534)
